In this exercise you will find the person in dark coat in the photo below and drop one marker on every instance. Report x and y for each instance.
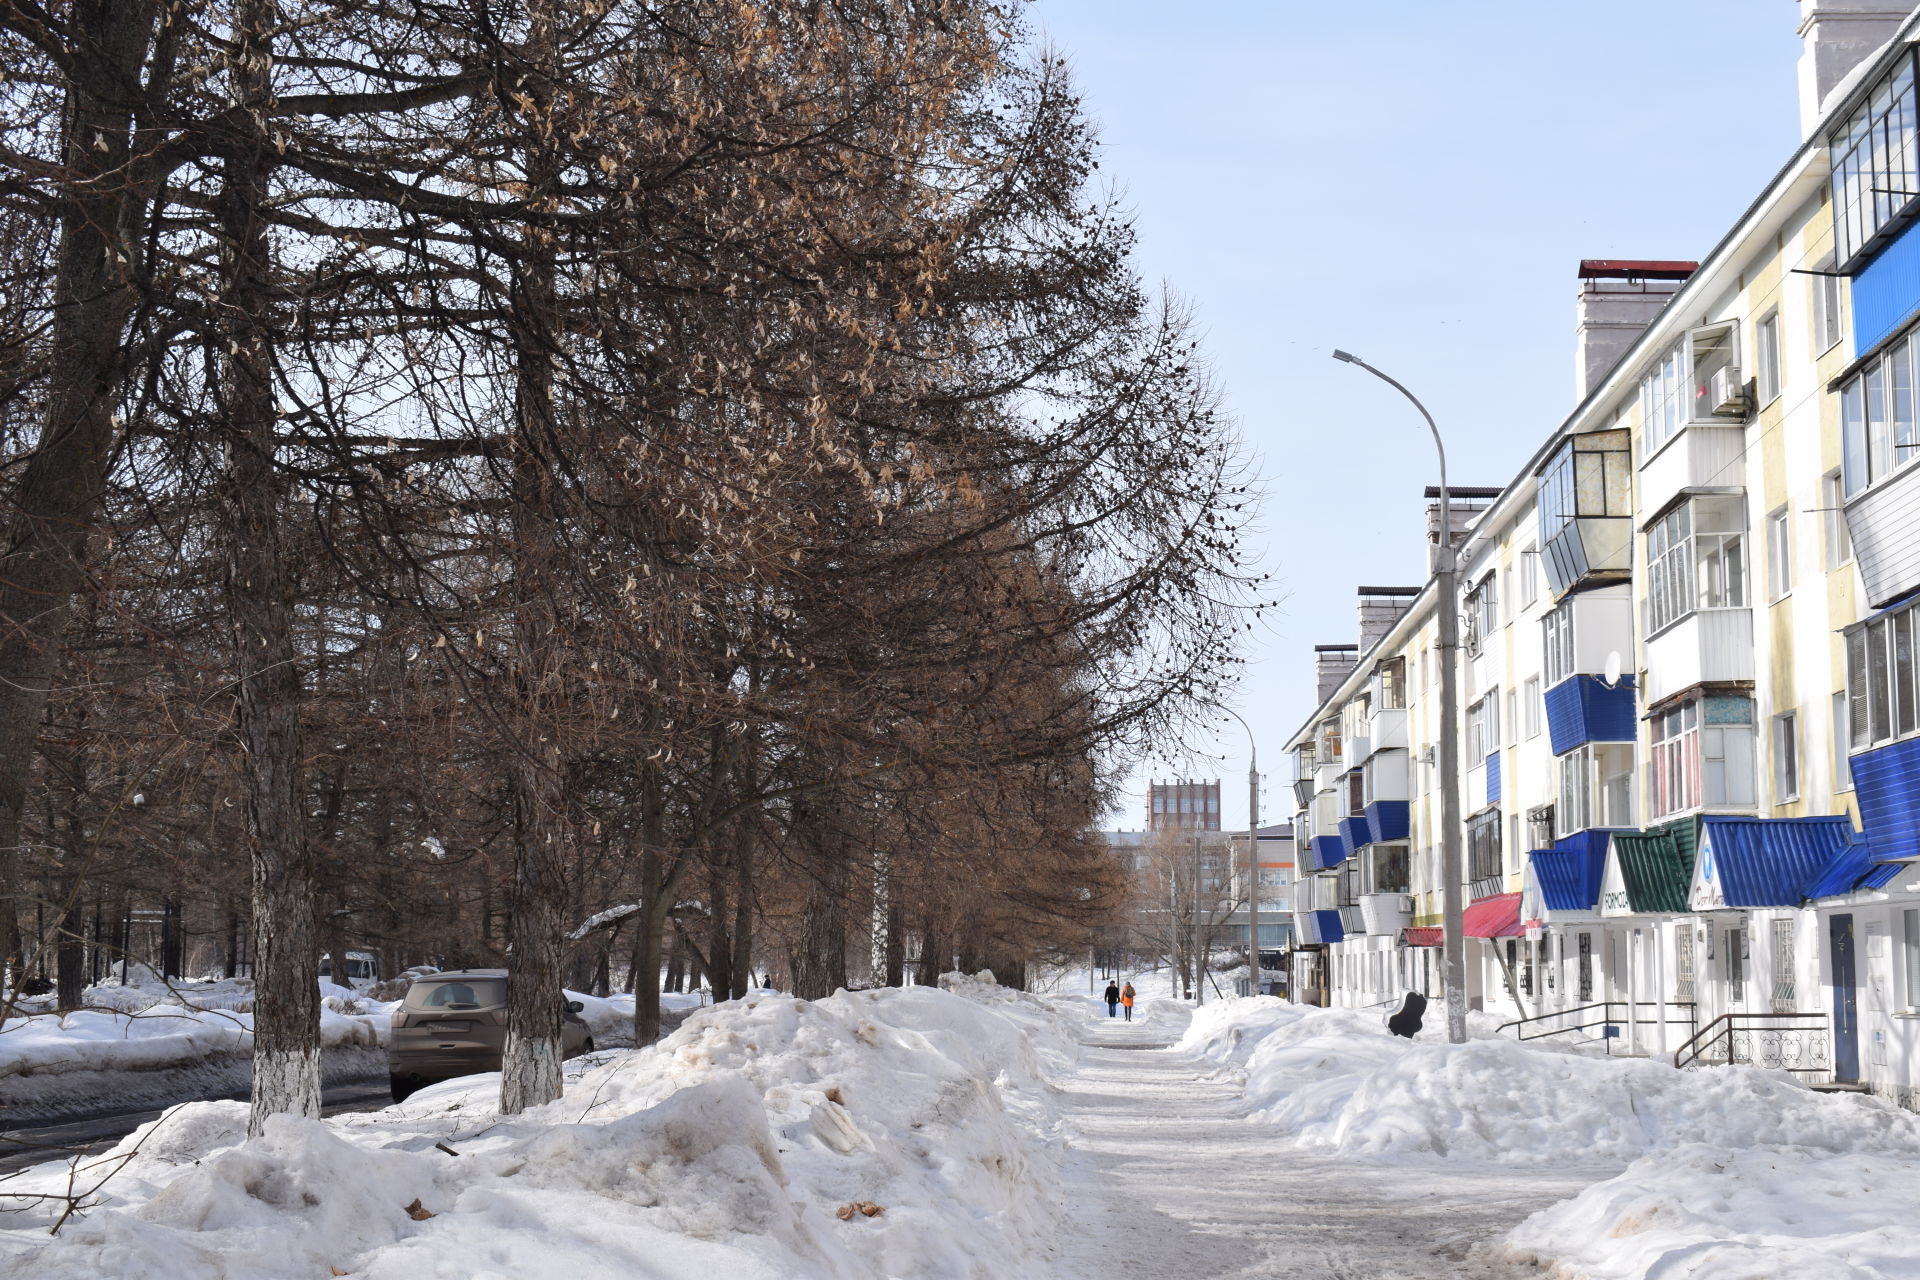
(1113, 1000)
(1407, 1021)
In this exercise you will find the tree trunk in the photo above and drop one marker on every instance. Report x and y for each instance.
(646, 976)
(530, 1074)
(55, 505)
(896, 944)
(70, 953)
(286, 1015)
(719, 923)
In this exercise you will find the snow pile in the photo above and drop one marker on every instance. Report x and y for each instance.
(1707, 1213)
(1336, 1080)
(875, 1133)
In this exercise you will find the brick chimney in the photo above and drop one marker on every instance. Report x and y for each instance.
(1332, 663)
(1618, 300)
(1380, 608)
(1467, 503)
(1836, 36)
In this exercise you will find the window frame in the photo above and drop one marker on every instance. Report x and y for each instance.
(1766, 358)
(1780, 554)
(1785, 749)
(1883, 679)
(1837, 536)
(1533, 704)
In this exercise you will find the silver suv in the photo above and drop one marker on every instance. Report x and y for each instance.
(455, 1024)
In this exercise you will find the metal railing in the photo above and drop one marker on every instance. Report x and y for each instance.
(1795, 1042)
(1602, 1014)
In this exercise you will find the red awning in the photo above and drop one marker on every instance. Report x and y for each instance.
(1421, 935)
(1495, 917)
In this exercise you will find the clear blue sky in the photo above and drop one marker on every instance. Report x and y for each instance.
(1416, 183)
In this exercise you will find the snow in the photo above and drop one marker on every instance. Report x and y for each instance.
(1706, 1211)
(732, 1148)
(1336, 1080)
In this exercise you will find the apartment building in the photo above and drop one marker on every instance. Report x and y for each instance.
(1690, 757)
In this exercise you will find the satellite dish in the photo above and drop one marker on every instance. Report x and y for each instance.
(1613, 667)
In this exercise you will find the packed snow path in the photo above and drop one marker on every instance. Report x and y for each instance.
(1168, 1181)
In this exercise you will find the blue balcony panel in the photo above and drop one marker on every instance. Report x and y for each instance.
(1886, 293)
(1887, 784)
(1493, 778)
(1388, 820)
(1584, 708)
(1354, 833)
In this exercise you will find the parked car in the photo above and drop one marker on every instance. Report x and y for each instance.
(455, 1024)
(363, 970)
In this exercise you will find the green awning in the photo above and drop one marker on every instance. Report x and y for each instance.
(1656, 865)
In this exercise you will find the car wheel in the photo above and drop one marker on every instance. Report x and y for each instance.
(404, 1087)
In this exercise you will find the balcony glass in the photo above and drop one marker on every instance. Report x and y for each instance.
(1586, 491)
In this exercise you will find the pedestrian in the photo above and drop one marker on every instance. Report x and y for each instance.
(1113, 999)
(1126, 999)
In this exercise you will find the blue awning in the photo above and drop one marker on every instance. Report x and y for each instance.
(1855, 868)
(1769, 862)
(1569, 874)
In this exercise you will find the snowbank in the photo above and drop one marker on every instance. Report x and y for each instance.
(1707, 1213)
(876, 1133)
(1335, 1080)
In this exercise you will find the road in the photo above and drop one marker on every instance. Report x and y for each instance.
(1167, 1181)
(20, 1148)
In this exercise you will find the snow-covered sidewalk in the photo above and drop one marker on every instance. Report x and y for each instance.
(1169, 1179)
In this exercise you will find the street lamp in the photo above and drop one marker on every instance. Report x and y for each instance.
(1445, 590)
(1253, 852)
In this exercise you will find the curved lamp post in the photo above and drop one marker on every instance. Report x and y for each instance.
(1448, 642)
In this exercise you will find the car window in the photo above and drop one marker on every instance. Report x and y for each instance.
(469, 993)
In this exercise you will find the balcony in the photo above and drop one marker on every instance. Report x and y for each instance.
(1585, 708)
(1586, 510)
(1386, 913)
(1710, 645)
(1386, 731)
(1884, 523)
(1701, 456)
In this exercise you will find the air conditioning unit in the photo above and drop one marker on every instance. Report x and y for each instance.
(1725, 395)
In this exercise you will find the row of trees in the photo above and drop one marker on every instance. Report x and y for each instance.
(511, 480)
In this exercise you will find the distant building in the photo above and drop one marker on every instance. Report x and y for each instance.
(1183, 806)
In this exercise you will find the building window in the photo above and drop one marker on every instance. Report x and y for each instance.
(1883, 679)
(1586, 968)
(1391, 685)
(1596, 787)
(1842, 744)
(1483, 729)
(1779, 554)
(1531, 697)
(1529, 577)
(1828, 317)
(1877, 418)
(1734, 955)
(1839, 539)
(1696, 559)
(1766, 357)
(1384, 869)
(1910, 957)
(1483, 846)
(1786, 757)
(1483, 611)
(1556, 635)
(1874, 158)
(1513, 715)
(1540, 828)
(1663, 397)
(1703, 755)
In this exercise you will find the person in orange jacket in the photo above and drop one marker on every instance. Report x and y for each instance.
(1126, 1000)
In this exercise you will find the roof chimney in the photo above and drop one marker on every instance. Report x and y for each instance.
(1836, 36)
(1380, 608)
(1332, 663)
(1618, 300)
(1465, 503)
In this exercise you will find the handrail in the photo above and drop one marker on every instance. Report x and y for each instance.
(1724, 1026)
(1607, 1017)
